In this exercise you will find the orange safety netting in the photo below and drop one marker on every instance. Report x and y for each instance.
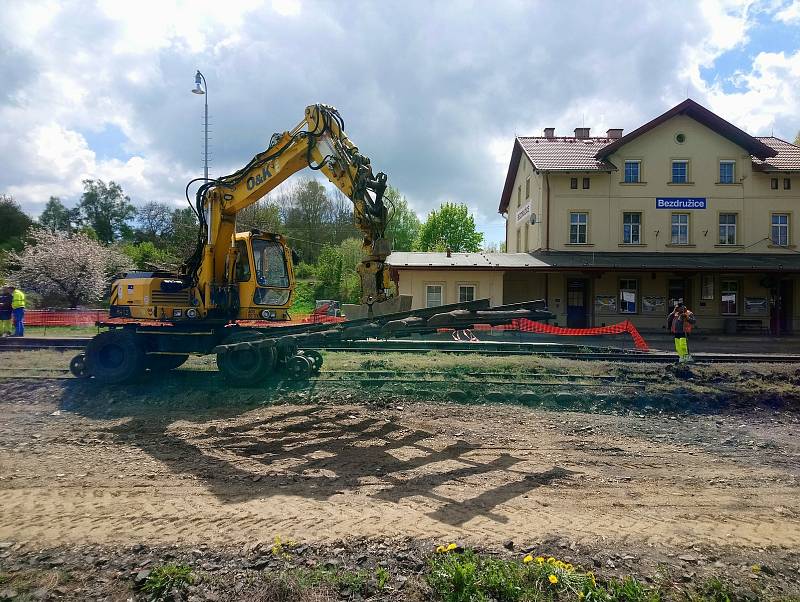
(525, 325)
(63, 317)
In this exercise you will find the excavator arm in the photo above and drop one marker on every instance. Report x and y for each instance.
(317, 142)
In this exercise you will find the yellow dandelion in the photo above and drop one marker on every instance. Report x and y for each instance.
(540, 559)
(551, 560)
(568, 567)
(755, 568)
(590, 575)
(527, 559)
(553, 579)
(440, 549)
(451, 547)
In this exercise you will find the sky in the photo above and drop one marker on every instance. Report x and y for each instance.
(432, 91)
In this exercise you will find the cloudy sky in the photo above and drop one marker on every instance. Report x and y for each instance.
(432, 91)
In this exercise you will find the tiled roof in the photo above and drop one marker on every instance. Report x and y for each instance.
(565, 154)
(787, 159)
(572, 260)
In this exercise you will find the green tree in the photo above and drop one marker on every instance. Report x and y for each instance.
(107, 210)
(184, 232)
(263, 215)
(154, 223)
(147, 256)
(58, 218)
(404, 225)
(451, 227)
(14, 223)
(797, 138)
(329, 272)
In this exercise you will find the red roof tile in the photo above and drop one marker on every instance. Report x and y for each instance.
(787, 159)
(565, 154)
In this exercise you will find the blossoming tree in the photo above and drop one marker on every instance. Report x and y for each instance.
(75, 268)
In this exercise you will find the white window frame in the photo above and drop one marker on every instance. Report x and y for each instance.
(733, 172)
(685, 164)
(624, 287)
(575, 220)
(673, 239)
(465, 286)
(725, 308)
(428, 286)
(638, 178)
(786, 238)
(727, 228)
(637, 228)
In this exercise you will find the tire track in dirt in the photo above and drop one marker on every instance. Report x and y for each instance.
(315, 473)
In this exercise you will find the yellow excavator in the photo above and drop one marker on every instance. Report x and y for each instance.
(157, 319)
(240, 276)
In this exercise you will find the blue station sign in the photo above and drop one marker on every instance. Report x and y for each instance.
(680, 202)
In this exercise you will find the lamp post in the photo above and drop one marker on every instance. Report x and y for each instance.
(200, 79)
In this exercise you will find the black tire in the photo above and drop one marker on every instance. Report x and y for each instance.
(165, 363)
(246, 367)
(78, 366)
(299, 367)
(115, 356)
(316, 360)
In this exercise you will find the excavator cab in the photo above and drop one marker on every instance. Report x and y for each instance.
(264, 274)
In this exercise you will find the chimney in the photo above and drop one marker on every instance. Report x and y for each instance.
(614, 133)
(550, 133)
(581, 133)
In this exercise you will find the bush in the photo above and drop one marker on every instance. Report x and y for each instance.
(304, 271)
(163, 579)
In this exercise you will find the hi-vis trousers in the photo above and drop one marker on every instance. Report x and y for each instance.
(682, 346)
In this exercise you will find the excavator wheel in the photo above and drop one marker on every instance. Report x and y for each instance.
(246, 367)
(78, 366)
(299, 367)
(316, 359)
(164, 362)
(115, 356)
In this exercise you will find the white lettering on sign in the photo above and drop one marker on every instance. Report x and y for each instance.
(523, 212)
(680, 203)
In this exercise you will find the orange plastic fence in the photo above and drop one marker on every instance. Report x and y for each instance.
(63, 317)
(525, 325)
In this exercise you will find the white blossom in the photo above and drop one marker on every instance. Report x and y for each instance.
(75, 267)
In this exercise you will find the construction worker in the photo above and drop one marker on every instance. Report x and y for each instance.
(18, 310)
(680, 323)
(5, 311)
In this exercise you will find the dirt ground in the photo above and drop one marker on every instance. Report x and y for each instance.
(184, 461)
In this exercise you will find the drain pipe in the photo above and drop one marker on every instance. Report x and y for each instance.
(547, 212)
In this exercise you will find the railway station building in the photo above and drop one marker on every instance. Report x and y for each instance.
(687, 207)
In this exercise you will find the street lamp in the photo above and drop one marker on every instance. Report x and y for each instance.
(200, 79)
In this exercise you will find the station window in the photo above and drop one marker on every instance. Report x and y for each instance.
(729, 294)
(727, 228)
(466, 293)
(780, 229)
(680, 228)
(527, 188)
(573, 183)
(632, 228)
(773, 183)
(707, 287)
(787, 183)
(587, 181)
(578, 228)
(632, 171)
(680, 172)
(727, 171)
(628, 292)
(434, 294)
(519, 196)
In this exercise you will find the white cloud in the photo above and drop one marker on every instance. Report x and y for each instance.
(790, 14)
(435, 107)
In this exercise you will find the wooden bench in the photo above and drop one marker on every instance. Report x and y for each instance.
(751, 325)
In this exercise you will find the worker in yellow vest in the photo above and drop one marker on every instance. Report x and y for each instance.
(18, 311)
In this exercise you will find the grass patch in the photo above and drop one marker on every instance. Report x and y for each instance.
(456, 576)
(163, 579)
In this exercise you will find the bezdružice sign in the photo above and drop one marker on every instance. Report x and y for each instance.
(681, 203)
